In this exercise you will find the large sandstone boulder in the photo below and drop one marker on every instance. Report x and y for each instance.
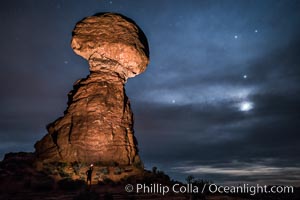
(98, 123)
(111, 43)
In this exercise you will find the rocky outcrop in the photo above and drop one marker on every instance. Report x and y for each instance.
(97, 126)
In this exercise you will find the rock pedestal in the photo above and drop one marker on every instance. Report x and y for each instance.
(97, 126)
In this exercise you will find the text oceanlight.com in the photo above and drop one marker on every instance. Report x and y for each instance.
(157, 188)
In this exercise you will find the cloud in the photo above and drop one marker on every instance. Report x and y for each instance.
(235, 171)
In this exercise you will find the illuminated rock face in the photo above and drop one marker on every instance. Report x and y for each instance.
(98, 123)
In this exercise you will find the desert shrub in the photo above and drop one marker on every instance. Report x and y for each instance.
(63, 174)
(104, 171)
(199, 183)
(69, 184)
(55, 165)
(108, 181)
(55, 168)
(61, 164)
(99, 163)
(82, 174)
(96, 178)
(76, 167)
(154, 170)
(49, 170)
(132, 179)
(189, 179)
(148, 179)
(118, 170)
(113, 164)
(138, 165)
(162, 175)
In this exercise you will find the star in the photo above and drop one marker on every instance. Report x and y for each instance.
(110, 2)
(245, 76)
(173, 101)
(235, 37)
(255, 30)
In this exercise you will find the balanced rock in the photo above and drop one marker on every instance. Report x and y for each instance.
(111, 43)
(97, 125)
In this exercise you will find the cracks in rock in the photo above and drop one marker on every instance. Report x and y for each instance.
(70, 130)
(99, 62)
(76, 87)
(112, 134)
(54, 137)
(52, 132)
(128, 147)
(125, 102)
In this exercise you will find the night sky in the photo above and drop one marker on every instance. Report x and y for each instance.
(219, 100)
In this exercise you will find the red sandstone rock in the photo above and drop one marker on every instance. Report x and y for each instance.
(98, 123)
(111, 43)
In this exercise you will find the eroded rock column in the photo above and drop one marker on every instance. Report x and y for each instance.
(98, 123)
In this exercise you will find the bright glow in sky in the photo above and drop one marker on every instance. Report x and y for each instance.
(246, 106)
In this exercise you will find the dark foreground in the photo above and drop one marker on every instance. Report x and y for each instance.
(117, 192)
(21, 179)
